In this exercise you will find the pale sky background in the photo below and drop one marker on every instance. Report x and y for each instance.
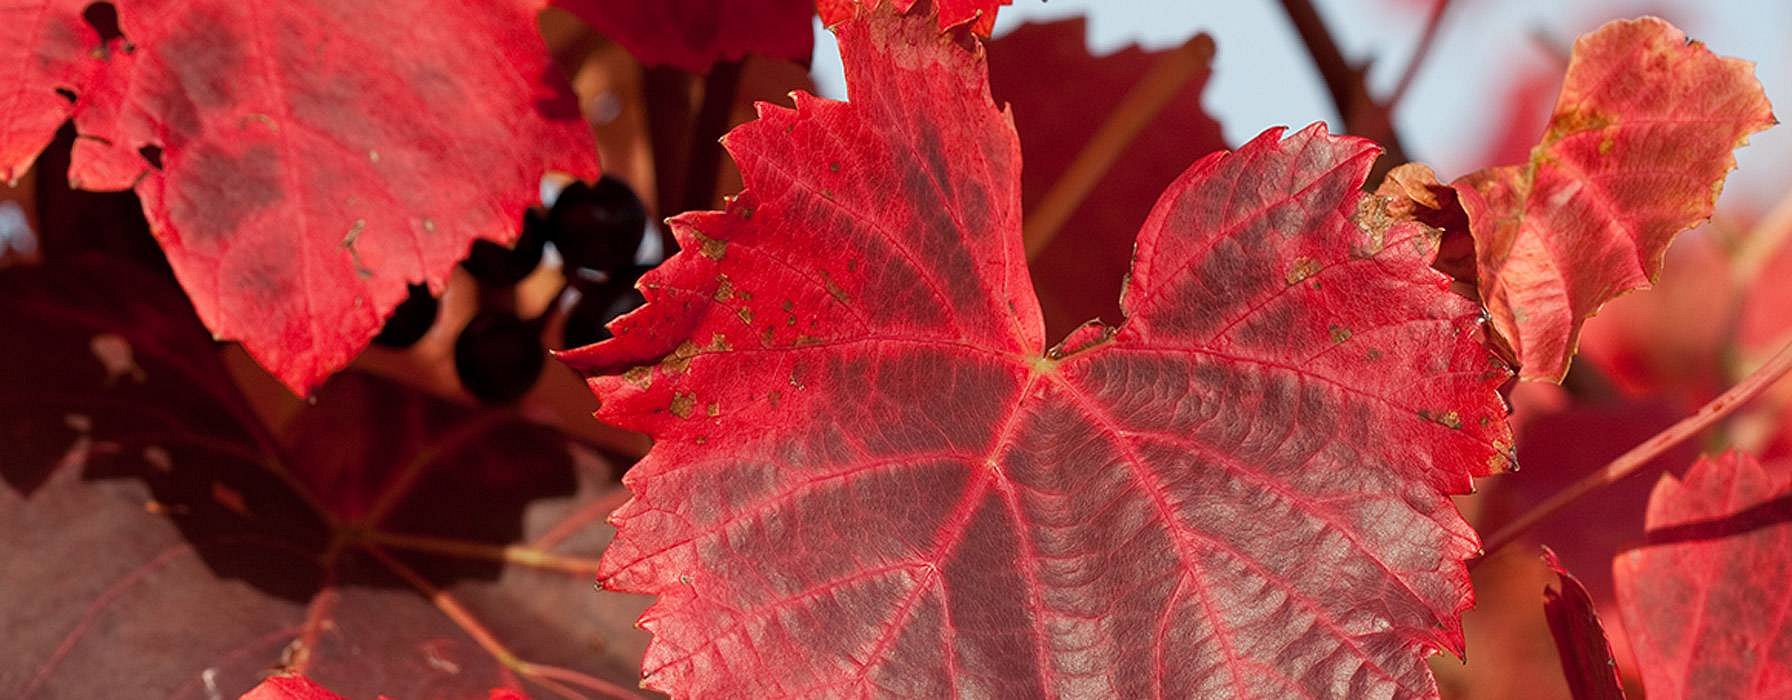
(1263, 77)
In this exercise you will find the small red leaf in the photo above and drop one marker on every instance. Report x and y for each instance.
(871, 476)
(302, 163)
(289, 687)
(1580, 640)
(1706, 601)
(694, 34)
(1636, 153)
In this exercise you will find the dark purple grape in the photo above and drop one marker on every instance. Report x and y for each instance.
(596, 307)
(498, 266)
(598, 227)
(410, 320)
(498, 356)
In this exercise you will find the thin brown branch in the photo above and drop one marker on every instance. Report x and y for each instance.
(1629, 462)
(1427, 38)
(1345, 82)
(1136, 111)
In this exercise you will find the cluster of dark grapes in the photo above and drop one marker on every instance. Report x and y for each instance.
(597, 230)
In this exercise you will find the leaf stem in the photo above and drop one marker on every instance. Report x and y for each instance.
(525, 556)
(1361, 114)
(468, 623)
(1629, 462)
(593, 511)
(1427, 38)
(1136, 111)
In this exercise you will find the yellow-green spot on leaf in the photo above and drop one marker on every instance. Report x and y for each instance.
(1448, 419)
(724, 289)
(1339, 333)
(709, 247)
(640, 377)
(1304, 267)
(834, 290)
(680, 359)
(683, 404)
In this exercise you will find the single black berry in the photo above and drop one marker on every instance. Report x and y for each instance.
(498, 356)
(598, 227)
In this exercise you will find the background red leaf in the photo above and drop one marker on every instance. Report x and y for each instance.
(1705, 601)
(153, 528)
(1078, 276)
(694, 34)
(302, 163)
(870, 475)
(1636, 152)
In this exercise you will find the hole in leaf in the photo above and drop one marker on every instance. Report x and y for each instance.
(103, 17)
(153, 154)
(66, 94)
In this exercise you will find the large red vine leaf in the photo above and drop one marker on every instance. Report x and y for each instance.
(1079, 275)
(151, 530)
(870, 475)
(694, 34)
(1637, 152)
(1705, 601)
(301, 163)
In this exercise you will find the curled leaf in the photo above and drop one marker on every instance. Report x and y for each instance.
(1636, 153)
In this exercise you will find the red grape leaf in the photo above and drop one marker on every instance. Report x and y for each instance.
(151, 530)
(301, 163)
(1637, 151)
(1705, 602)
(694, 34)
(869, 475)
(1079, 275)
(1580, 640)
(44, 45)
(980, 14)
